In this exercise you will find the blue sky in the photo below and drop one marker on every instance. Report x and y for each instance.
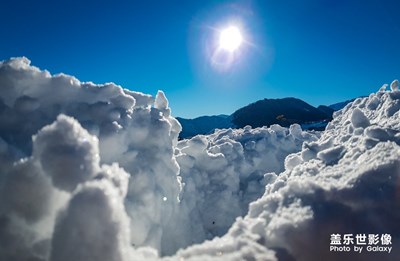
(320, 51)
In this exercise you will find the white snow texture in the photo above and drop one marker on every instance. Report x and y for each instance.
(96, 172)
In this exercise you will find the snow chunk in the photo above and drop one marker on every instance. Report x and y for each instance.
(331, 155)
(67, 153)
(93, 227)
(28, 191)
(358, 119)
(161, 102)
(394, 86)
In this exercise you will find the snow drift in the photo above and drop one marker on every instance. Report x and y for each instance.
(96, 172)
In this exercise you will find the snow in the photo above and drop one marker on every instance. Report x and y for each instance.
(95, 211)
(358, 119)
(96, 172)
(67, 153)
(225, 171)
(394, 86)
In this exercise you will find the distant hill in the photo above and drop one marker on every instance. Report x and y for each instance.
(341, 105)
(326, 109)
(203, 125)
(284, 112)
(265, 112)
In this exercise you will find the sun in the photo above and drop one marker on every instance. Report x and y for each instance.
(230, 39)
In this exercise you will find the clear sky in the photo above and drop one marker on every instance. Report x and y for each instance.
(322, 51)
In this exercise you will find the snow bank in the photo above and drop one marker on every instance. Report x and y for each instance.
(109, 125)
(96, 172)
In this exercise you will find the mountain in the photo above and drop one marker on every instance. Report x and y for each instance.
(341, 105)
(204, 125)
(326, 109)
(284, 112)
(266, 112)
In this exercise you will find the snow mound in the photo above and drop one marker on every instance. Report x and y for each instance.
(105, 124)
(96, 172)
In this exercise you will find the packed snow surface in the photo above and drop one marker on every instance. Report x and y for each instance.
(96, 172)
